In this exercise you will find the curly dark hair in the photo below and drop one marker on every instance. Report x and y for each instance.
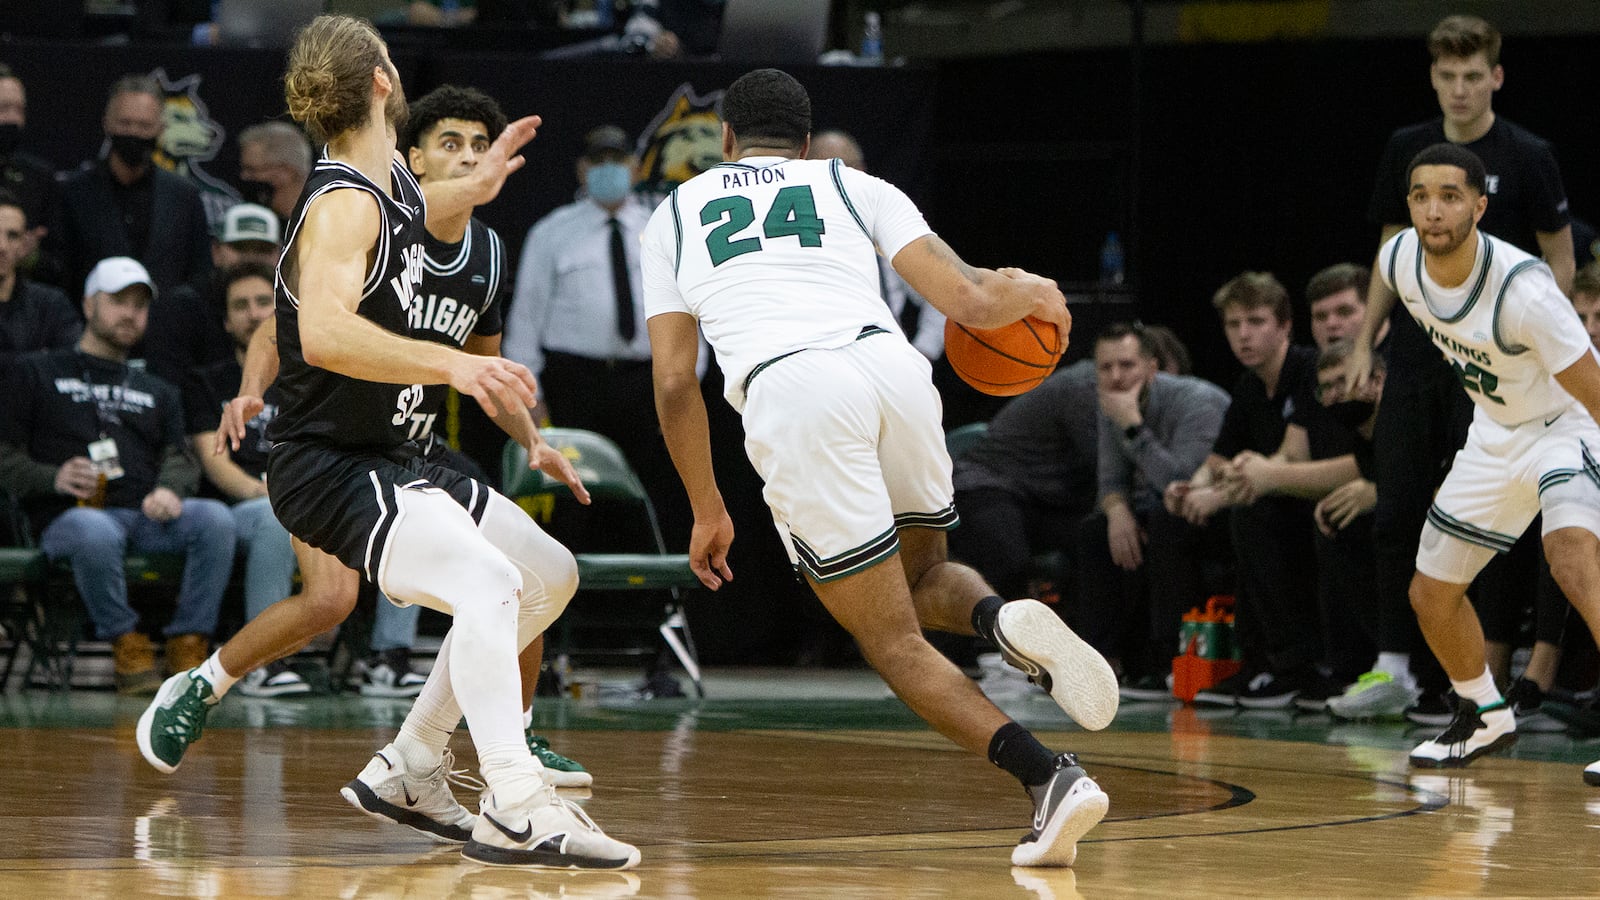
(767, 108)
(451, 102)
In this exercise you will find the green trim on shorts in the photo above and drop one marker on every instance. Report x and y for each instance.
(850, 561)
(944, 520)
(1468, 532)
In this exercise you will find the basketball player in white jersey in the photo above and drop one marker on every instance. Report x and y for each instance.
(1523, 357)
(774, 257)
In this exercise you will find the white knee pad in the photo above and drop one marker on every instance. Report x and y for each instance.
(436, 557)
(549, 573)
(1571, 503)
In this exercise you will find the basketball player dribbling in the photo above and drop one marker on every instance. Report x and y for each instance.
(345, 480)
(1524, 359)
(772, 255)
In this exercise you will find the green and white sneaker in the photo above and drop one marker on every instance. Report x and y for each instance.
(1375, 695)
(560, 771)
(174, 719)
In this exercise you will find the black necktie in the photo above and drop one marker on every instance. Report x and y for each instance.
(619, 280)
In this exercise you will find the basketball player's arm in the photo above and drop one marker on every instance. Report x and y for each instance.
(517, 422)
(1582, 381)
(1380, 301)
(675, 348)
(260, 370)
(340, 229)
(980, 298)
(1556, 247)
(453, 198)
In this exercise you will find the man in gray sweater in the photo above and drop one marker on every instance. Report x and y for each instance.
(1139, 568)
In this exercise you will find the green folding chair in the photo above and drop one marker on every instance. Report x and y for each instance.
(960, 439)
(609, 478)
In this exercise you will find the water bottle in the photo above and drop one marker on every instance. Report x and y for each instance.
(872, 40)
(1113, 266)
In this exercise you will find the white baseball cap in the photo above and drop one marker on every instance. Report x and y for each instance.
(250, 222)
(114, 273)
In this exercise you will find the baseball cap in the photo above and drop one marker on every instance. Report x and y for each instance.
(249, 222)
(606, 139)
(114, 273)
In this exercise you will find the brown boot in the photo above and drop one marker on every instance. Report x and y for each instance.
(133, 658)
(186, 651)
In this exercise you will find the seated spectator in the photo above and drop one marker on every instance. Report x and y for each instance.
(1154, 428)
(80, 426)
(30, 179)
(32, 316)
(1276, 618)
(125, 205)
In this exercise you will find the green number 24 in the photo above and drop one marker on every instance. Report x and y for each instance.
(793, 214)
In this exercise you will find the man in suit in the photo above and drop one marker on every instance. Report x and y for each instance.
(124, 205)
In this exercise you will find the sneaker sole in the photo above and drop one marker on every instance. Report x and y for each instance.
(299, 690)
(1282, 701)
(1060, 840)
(1039, 643)
(142, 734)
(360, 796)
(1458, 762)
(482, 853)
(367, 690)
(563, 779)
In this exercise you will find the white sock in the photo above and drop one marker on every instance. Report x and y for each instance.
(433, 718)
(1396, 666)
(212, 671)
(527, 719)
(1480, 690)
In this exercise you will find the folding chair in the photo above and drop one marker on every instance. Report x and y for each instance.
(611, 481)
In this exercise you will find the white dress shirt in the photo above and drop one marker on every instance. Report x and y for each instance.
(565, 299)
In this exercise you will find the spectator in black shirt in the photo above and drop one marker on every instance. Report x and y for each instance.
(32, 316)
(1276, 617)
(81, 425)
(30, 179)
(126, 205)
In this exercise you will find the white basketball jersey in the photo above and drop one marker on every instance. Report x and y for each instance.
(1506, 330)
(776, 255)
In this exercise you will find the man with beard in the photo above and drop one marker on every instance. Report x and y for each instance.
(1518, 350)
(96, 451)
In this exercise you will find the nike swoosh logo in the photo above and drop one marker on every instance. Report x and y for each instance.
(399, 228)
(1549, 422)
(410, 800)
(520, 837)
(1042, 814)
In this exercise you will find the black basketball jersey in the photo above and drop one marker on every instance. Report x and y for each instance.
(463, 292)
(325, 406)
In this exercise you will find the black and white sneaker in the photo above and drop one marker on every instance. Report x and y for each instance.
(1034, 639)
(1473, 733)
(1433, 710)
(1226, 692)
(1064, 809)
(1148, 689)
(275, 679)
(1272, 690)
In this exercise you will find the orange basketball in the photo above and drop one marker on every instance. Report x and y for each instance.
(1006, 361)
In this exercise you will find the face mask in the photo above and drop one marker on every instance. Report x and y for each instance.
(1352, 413)
(10, 136)
(257, 192)
(134, 151)
(608, 183)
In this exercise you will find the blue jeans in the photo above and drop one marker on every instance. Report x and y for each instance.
(269, 555)
(94, 542)
(393, 626)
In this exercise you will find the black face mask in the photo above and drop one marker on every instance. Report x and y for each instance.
(1352, 413)
(257, 192)
(134, 151)
(10, 137)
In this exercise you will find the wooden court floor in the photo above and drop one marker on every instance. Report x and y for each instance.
(815, 798)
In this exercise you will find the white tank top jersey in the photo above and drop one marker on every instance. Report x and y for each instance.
(1506, 330)
(776, 255)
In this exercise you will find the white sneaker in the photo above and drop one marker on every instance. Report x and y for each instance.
(1473, 733)
(1064, 809)
(390, 675)
(543, 831)
(1591, 773)
(425, 803)
(1034, 639)
(1375, 695)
